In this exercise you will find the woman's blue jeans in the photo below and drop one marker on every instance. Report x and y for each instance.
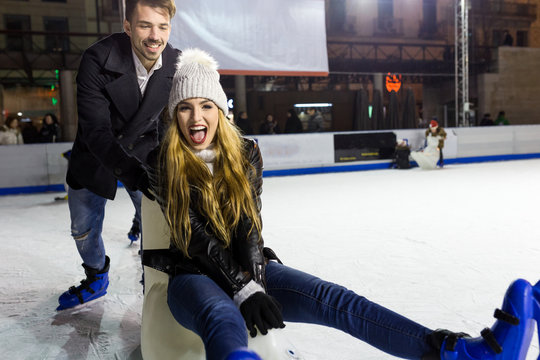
(87, 211)
(200, 305)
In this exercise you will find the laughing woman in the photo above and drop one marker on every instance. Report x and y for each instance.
(225, 283)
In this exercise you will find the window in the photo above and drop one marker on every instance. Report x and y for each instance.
(337, 15)
(522, 38)
(386, 8)
(14, 41)
(429, 21)
(56, 42)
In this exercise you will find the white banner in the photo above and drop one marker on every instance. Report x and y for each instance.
(255, 37)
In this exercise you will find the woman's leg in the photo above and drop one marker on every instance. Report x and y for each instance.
(199, 304)
(306, 298)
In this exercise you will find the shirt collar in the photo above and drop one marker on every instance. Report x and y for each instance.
(141, 70)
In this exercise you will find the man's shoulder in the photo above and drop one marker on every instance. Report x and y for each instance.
(103, 47)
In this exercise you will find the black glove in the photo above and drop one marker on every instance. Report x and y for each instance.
(144, 185)
(262, 310)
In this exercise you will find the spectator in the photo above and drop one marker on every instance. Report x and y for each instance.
(11, 132)
(501, 119)
(487, 120)
(508, 40)
(315, 121)
(243, 123)
(402, 151)
(293, 124)
(50, 131)
(269, 126)
(29, 132)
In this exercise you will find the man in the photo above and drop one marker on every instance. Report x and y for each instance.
(315, 121)
(123, 84)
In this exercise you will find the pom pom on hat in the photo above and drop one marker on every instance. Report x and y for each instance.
(433, 124)
(196, 76)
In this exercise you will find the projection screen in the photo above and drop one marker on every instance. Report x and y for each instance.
(255, 37)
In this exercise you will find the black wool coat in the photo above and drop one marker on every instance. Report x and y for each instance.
(117, 126)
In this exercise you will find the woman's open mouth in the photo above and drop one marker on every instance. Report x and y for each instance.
(198, 134)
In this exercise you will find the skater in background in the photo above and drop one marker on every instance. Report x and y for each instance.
(123, 84)
(437, 132)
(208, 182)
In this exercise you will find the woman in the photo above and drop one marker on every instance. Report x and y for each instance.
(293, 124)
(10, 134)
(50, 131)
(431, 155)
(208, 181)
(269, 126)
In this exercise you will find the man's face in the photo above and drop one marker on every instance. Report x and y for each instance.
(149, 31)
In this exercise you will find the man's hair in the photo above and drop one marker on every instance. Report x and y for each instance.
(168, 5)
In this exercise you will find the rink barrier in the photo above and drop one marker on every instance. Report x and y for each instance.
(37, 168)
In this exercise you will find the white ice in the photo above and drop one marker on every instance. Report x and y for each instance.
(440, 247)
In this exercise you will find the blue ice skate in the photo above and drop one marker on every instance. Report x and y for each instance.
(243, 354)
(93, 287)
(135, 231)
(509, 338)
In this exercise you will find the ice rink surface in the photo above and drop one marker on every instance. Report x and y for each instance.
(439, 247)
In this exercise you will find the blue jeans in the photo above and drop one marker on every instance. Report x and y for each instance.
(198, 304)
(87, 211)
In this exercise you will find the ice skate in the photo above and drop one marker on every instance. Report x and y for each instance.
(243, 354)
(135, 231)
(93, 287)
(508, 339)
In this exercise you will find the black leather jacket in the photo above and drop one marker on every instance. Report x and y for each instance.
(231, 268)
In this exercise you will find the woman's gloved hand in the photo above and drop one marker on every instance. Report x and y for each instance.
(263, 311)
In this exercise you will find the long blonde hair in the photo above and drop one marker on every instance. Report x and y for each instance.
(222, 198)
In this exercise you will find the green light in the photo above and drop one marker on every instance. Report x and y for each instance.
(370, 110)
(54, 101)
(57, 72)
(52, 87)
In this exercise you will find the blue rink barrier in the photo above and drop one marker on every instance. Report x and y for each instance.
(386, 165)
(300, 171)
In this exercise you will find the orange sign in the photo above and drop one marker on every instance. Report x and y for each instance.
(393, 82)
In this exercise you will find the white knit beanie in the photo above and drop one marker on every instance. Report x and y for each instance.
(196, 76)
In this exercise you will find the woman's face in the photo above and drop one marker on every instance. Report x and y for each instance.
(48, 120)
(14, 124)
(198, 121)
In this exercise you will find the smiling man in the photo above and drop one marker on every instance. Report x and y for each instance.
(123, 84)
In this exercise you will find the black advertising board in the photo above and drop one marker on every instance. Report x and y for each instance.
(359, 147)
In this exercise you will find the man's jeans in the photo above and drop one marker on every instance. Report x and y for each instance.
(87, 211)
(198, 304)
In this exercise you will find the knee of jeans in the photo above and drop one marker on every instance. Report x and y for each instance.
(78, 235)
(220, 313)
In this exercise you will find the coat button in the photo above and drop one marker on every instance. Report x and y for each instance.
(130, 147)
(120, 137)
(117, 171)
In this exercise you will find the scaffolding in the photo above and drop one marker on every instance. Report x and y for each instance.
(461, 55)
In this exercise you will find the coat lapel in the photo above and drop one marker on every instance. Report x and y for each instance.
(124, 91)
(155, 98)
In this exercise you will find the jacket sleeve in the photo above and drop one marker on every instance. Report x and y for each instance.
(442, 134)
(95, 122)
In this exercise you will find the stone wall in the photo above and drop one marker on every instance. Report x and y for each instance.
(515, 88)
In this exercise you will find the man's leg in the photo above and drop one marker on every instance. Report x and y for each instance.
(135, 231)
(87, 211)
